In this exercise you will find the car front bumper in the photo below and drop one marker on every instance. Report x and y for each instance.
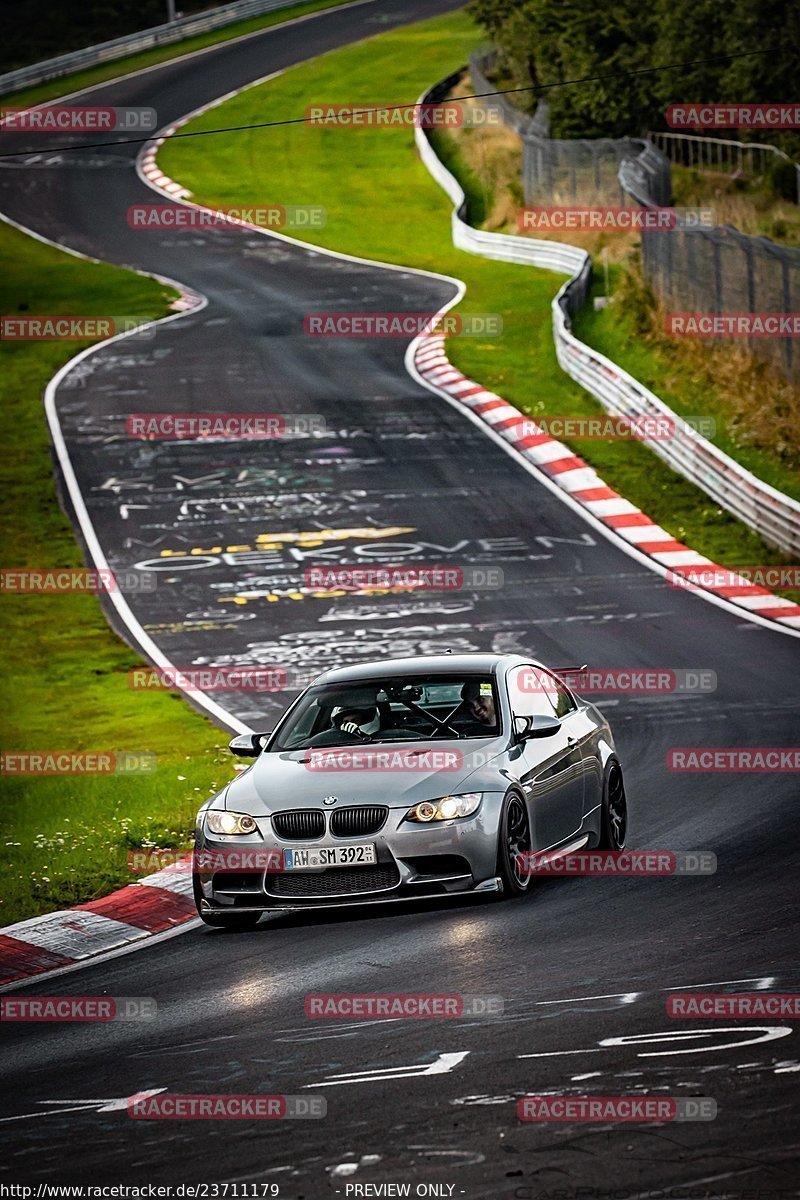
(414, 861)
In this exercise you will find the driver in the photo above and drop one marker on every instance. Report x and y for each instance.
(347, 722)
(479, 702)
(364, 721)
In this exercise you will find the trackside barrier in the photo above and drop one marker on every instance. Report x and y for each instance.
(775, 516)
(571, 170)
(144, 39)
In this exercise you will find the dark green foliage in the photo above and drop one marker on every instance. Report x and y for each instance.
(545, 42)
(33, 30)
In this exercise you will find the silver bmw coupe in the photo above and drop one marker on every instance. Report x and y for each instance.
(406, 778)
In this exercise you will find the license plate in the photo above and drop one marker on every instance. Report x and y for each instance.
(329, 856)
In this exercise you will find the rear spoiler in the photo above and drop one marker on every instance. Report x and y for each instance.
(569, 670)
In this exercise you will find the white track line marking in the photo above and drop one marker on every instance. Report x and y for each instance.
(443, 1065)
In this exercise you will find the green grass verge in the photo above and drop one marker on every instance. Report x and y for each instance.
(66, 838)
(383, 204)
(613, 331)
(80, 80)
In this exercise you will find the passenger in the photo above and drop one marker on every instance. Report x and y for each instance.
(479, 703)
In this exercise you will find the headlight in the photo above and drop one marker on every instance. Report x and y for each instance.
(220, 821)
(445, 809)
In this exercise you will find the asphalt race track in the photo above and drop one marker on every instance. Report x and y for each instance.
(584, 965)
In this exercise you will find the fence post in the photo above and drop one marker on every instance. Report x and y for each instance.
(751, 284)
(691, 257)
(787, 308)
(717, 276)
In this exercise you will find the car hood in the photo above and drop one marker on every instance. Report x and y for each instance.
(293, 779)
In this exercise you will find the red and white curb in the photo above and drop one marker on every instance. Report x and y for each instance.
(154, 175)
(155, 904)
(152, 172)
(575, 477)
(187, 301)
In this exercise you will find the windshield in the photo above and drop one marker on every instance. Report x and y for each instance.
(397, 708)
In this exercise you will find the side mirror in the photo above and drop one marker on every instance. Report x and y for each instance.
(535, 727)
(247, 745)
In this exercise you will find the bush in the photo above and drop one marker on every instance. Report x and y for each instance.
(783, 180)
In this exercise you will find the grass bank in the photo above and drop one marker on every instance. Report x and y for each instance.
(66, 838)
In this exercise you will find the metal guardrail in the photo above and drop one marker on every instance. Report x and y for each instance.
(144, 39)
(699, 270)
(572, 170)
(773, 515)
(553, 256)
(723, 155)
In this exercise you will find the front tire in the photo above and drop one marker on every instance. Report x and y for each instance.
(614, 820)
(514, 838)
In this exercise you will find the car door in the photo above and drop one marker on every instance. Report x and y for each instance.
(550, 769)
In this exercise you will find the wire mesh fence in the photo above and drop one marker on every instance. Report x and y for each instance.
(775, 516)
(691, 271)
(745, 160)
(572, 170)
(721, 271)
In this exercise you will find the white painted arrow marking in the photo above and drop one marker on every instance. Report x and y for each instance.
(443, 1064)
(623, 997)
(114, 1104)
